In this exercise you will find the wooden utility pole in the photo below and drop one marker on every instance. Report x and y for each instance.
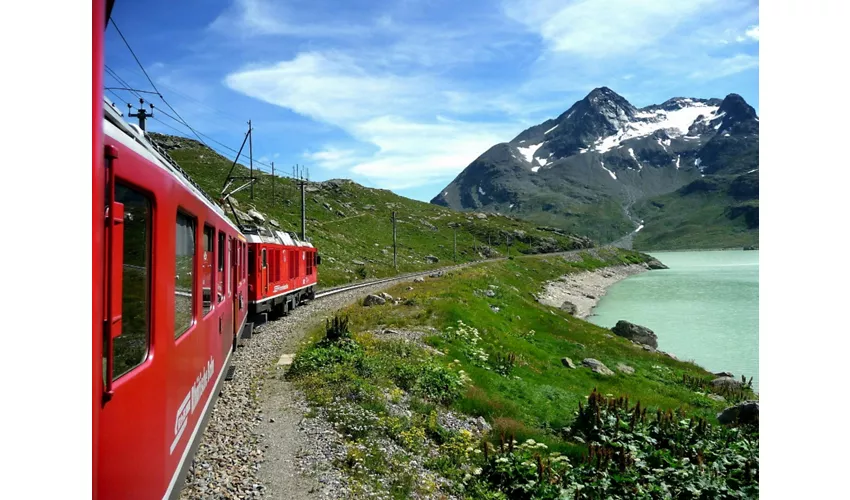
(507, 245)
(303, 209)
(273, 191)
(455, 237)
(395, 245)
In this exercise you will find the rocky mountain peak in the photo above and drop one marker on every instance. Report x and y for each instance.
(737, 108)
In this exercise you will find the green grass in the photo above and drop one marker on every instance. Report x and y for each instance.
(358, 225)
(504, 366)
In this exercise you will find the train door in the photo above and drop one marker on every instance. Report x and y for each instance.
(264, 273)
(235, 254)
(131, 429)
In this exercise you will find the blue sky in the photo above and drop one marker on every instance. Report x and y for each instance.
(404, 94)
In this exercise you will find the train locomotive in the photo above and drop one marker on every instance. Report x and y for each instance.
(175, 285)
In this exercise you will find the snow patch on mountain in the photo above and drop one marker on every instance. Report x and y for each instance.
(612, 174)
(535, 169)
(551, 129)
(632, 153)
(678, 158)
(542, 161)
(528, 152)
(481, 190)
(675, 122)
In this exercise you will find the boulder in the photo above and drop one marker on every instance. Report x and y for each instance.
(742, 413)
(568, 307)
(648, 348)
(374, 300)
(420, 279)
(490, 293)
(729, 382)
(636, 333)
(568, 363)
(386, 296)
(438, 274)
(597, 366)
(716, 397)
(723, 374)
(628, 370)
(432, 259)
(358, 262)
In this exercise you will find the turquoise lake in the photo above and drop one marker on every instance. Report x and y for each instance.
(704, 308)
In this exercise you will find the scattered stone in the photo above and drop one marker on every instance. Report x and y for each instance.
(327, 205)
(590, 296)
(494, 308)
(597, 366)
(490, 293)
(358, 262)
(386, 296)
(438, 274)
(635, 332)
(716, 397)
(482, 424)
(432, 259)
(420, 279)
(743, 413)
(373, 300)
(481, 215)
(648, 348)
(723, 374)
(271, 420)
(409, 288)
(568, 307)
(285, 360)
(568, 363)
(625, 369)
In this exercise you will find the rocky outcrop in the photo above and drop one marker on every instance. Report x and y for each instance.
(743, 413)
(636, 333)
(655, 264)
(568, 363)
(597, 366)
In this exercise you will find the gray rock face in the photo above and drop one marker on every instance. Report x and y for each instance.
(636, 333)
(568, 363)
(597, 366)
(628, 370)
(568, 307)
(743, 413)
(374, 300)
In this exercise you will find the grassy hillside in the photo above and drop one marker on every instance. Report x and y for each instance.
(351, 225)
(715, 212)
(387, 396)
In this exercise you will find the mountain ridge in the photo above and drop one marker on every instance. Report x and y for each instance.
(584, 169)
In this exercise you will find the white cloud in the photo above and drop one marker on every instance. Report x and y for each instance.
(247, 18)
(603, 28)
(404, 121)
(753, 33)
(725, 67)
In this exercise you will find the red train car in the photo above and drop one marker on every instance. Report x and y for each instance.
(173, 293)
(282, 269)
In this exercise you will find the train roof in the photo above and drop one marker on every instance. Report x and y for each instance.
(134, 138)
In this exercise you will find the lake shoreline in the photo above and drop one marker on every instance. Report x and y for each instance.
(584, 290)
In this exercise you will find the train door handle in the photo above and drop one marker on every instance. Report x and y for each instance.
(219, 325)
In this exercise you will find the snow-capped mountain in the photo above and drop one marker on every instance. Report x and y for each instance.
(603, 154)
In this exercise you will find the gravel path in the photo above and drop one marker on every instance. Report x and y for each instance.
(257, 442)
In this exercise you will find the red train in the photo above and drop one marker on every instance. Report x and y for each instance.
(174, 284)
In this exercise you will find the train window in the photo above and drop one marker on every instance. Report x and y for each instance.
(131, 347)
(184, 271)
(207, 267)
(220, 277)
(251, 263)
(309, 264)
(264, 258)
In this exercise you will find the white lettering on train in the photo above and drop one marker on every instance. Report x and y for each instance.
(191, 401)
